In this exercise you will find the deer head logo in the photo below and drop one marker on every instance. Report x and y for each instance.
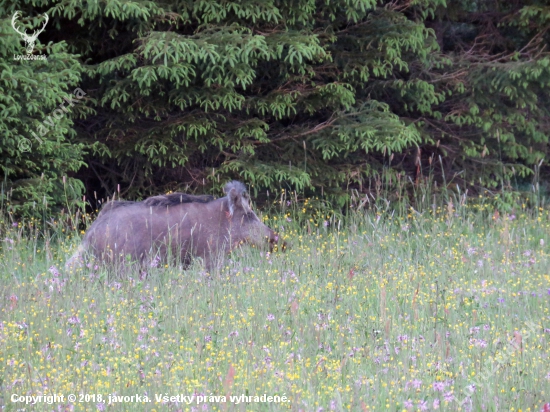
(29, 40)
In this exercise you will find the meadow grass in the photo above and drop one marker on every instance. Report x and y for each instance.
(442, 310)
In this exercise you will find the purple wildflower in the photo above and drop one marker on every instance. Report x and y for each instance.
(73, 320)
(439, 386)
(155, 262)
(53, 270)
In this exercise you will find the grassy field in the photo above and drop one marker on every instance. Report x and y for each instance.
(446, 310)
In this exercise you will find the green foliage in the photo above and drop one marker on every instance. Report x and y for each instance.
(493, 121)
(304, 95)
(37, 144)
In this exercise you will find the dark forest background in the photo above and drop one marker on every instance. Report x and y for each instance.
(315, 96)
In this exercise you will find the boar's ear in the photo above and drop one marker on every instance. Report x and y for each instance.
(237, 196)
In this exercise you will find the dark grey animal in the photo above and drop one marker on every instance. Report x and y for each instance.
(177, 225)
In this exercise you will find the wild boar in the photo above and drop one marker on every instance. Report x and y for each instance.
(177, 226)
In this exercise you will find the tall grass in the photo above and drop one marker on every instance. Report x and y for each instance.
(441, 307)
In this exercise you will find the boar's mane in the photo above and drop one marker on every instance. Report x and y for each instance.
(162, 200)
(115, 204)
(176, 199)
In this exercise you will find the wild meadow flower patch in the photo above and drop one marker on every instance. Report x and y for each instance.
(436, 311)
